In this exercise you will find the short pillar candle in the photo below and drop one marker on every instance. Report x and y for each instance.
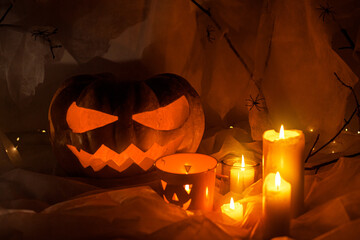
(276, 206)
(284, 152)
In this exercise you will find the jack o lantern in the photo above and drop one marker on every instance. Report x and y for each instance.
(188, 180)
(103, 127)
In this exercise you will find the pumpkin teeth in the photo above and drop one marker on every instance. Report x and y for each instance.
(163, 184)
(121, 161)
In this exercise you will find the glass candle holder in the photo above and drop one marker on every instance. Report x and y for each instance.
(188, 180)
(237, 174)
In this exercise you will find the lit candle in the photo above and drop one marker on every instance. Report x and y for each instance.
(241, 176)
(284, 152)
(233, 210)
(192, 172)
(276, 206)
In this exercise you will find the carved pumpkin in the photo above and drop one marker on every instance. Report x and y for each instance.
(102, 127)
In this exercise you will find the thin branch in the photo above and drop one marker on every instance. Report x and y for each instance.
(6, 12)
(348, 86)
(347, 121)
(353, 93)
(337, 134)
(317, 167)
(312, 148)
(348, 38)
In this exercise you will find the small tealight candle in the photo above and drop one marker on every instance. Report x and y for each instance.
(241, 176)
(276, 206)
(233, 210)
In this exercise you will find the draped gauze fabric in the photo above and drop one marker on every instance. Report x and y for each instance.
(279, 55)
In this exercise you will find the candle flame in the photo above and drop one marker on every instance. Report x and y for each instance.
(282, 134)
(277, 180)
(187, 188)
(232, 205)
(242, 163)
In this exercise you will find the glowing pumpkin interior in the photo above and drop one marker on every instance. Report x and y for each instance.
(186, 163)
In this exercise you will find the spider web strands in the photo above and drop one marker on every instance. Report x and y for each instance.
(45, 35)
(6, 12)
(347, 121)
(328, 11)
(318, 166)
(227, 38)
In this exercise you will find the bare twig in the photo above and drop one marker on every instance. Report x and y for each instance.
(347, 121)
(6, 12)
(348, 86)
(354, 94)
(348, 38)
(317, 167)
(312, 148)
(337, 134)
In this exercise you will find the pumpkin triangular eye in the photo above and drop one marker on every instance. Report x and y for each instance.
(165, 118)
(81, 119)
(188, 188)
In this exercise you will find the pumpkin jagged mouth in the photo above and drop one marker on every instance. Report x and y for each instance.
(104, 156)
